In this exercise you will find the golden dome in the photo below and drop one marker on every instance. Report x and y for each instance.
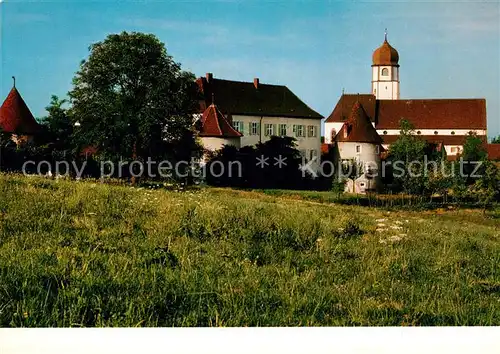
(385, 55)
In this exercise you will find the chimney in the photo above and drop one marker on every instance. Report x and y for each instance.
(209, 76)
(256, 82)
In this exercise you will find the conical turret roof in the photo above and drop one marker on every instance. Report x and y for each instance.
(214, 124)
(15, 116)
(358, 128)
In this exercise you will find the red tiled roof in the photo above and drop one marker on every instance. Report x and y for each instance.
(89, 151)
(253, 98)
(214, 124)
(434, 139)
(325, 148)
(422, 113)
(358, 128)
(433, 113)
(15, 116)
(493, 151)
(344, 107)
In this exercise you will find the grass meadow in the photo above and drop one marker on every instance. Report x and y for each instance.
(90, 254)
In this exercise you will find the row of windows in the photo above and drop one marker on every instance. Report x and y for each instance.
(419, 132)
(277, 129)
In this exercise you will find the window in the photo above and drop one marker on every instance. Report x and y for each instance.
(454, 150)
(436, 132)
(377, 149)
(254, 128)
(385, 132)
(452, 133)
(313, 154)
(302, 153)
(268, 129)
(299, 130)
(282, 131)
(238, 125)
(311, 131)
(333, 134)
(419, 132)
(385, 72)
(358, 149)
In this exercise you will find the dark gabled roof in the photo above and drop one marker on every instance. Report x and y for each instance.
(358, 128)
(344, 107)
(253, 98)
(434, 139)
(422, 113)
(15, 116)
(433, 113)
(214, 124)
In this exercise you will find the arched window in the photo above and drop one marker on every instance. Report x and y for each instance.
(385, 72)
(333, 134)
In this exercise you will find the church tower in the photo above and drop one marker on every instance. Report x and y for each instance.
(385, 72)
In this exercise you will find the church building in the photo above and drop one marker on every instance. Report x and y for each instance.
(441, 122)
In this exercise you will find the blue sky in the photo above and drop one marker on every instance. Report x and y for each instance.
(316, 48)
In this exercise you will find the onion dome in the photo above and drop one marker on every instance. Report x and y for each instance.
(15, 116)
(385, 55)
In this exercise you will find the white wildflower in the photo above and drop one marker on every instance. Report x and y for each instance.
(395, 238)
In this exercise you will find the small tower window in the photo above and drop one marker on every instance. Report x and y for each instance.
(385, 72)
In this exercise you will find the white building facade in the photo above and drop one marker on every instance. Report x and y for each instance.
(260, 111)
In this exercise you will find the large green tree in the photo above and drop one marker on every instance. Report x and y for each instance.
(407, 157)
(131, 100)
(58, 125)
